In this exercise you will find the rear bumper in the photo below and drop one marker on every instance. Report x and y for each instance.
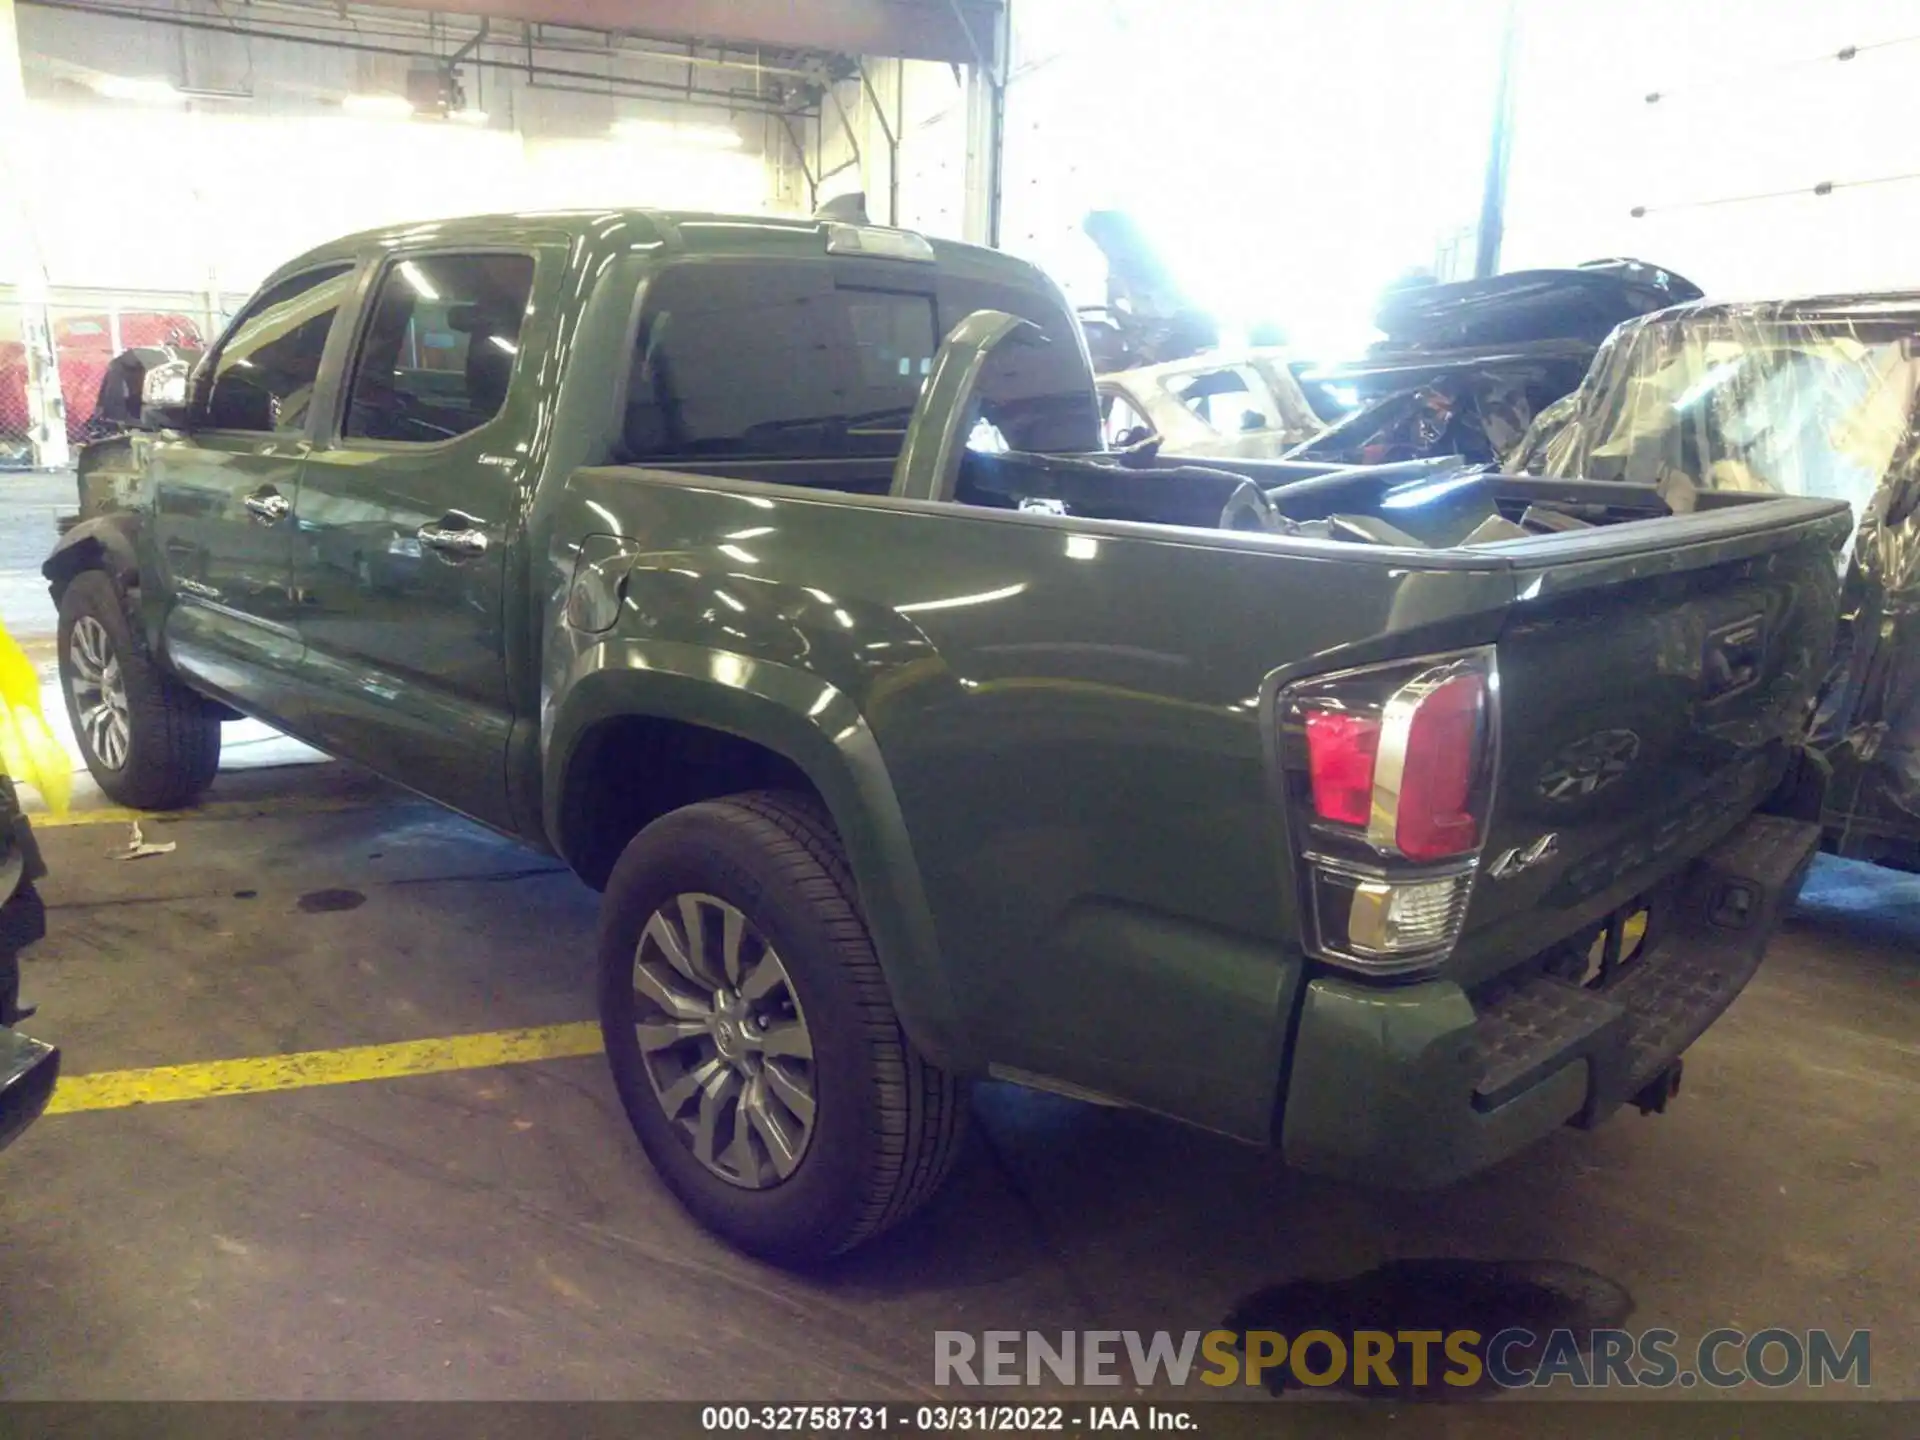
(28, 1069)
(1418, 1085)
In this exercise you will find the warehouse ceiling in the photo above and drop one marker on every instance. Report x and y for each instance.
(957, 31)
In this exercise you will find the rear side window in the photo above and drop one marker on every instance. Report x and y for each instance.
(440, 349)
(264, 373)
(774, 361)
(1226, 400)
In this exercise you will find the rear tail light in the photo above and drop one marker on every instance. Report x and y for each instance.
(1390, 774)
(1341, 750)
(1434, 749)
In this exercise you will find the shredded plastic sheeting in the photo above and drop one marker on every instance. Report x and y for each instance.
(1804, 397)
(29, 751)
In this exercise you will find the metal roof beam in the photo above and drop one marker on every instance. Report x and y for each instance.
(944, 30)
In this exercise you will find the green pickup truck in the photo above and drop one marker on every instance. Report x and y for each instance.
(771, 572)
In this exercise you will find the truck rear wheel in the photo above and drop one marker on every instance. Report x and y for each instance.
(752, 1038)
(148, 740)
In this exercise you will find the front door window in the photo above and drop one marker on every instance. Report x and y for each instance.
(265, 369)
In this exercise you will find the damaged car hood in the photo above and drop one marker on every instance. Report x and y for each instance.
(1464, 368)
(1581, 304)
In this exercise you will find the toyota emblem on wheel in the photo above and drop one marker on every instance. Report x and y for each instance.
(1589, 765)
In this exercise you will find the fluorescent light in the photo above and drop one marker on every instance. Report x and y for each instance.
(665, 132)
(147, 92)
(410, 272)
(377, 107)
(505, 344)
(469, 117)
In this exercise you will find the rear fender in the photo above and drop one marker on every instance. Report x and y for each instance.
(817, 728)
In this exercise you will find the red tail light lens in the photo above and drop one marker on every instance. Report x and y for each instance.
(1401, 754)
(1389, 779)
(1341, 749)
(1434, 818)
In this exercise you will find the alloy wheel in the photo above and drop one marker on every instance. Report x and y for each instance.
(99, 692)
(723, 1039)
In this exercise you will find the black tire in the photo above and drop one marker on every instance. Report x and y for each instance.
(887, 1126)
(173, 735)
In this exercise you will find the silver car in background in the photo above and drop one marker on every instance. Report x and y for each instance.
(1240, 403)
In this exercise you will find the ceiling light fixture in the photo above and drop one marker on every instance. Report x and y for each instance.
(377, 107)
(147, 92)
(468, 117)
(665, 132)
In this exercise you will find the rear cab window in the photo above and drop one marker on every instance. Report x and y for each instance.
(772, 360)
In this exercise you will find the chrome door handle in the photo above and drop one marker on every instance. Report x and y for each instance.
(464, 540)
(268, 508)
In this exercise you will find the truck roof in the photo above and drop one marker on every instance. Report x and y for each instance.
(683, 231)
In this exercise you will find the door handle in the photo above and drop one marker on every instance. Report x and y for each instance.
(268, 506)
(454, 534)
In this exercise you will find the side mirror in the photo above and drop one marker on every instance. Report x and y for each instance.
(163, 395)
(146, 389)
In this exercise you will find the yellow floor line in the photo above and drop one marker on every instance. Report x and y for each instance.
(117, 1089)
(217, 810)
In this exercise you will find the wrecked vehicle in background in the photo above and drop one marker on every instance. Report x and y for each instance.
(1465, 367)
(1234, 403)
(1809, 397)
(1147, 319)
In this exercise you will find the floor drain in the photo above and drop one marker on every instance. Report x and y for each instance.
(1487, 1296)
(315, 902)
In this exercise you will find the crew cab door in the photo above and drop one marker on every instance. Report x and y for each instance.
(409, 507)
(225, 490)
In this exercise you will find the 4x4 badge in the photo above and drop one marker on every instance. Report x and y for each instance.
(1525, 857)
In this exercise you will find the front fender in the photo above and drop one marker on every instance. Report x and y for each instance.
(820, 730)
(106, 542)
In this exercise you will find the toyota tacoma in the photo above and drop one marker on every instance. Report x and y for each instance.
(771, 572)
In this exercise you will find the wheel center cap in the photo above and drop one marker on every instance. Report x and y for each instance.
(729, 1025)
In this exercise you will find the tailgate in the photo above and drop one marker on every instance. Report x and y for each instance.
(1654, 678)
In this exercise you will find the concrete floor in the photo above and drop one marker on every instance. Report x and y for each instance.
(496, 1233)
